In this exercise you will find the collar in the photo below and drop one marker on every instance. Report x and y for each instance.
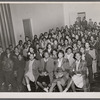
(46, 59)
(78, 61)
(60, 60)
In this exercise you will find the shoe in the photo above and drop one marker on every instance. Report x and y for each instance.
(9, 87)
(45, 89)
(3, 86)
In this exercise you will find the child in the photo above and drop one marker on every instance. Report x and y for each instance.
(46, 70)
(31, 73)
(69, 55)
(79, 72)
(61, 72)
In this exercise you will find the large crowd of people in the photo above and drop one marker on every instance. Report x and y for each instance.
(60, 60)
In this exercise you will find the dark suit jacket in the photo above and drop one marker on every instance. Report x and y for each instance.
(89, 59)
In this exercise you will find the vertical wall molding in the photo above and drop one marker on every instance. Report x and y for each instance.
(6, 26)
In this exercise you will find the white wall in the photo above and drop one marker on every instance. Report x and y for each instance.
(43, 16)
(46, 16)
(71, 9)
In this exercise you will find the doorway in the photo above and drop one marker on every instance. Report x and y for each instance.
(27, 28)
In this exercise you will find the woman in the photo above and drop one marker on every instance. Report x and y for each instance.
(92, 52)
(54, 54)
(61, 72)
(75, 48)
(66, 44)
(39, 54)
(55, 44)
(87, 57)
(31, 73)
(47, 65)
(49, 48)
(79, 72)
(69, 55)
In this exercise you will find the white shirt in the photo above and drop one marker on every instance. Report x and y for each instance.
(59, 62)
(68, 55)
(45, 60)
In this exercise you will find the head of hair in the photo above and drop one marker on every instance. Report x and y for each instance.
(69, 48)
(77, 53)
(45, 51)
(60, 51)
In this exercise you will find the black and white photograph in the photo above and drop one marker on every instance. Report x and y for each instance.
(50, 47)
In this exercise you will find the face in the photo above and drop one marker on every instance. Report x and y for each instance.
(69, 51)
(78, 56)
(59, 47)
(87, 45)
(79, 42)
(62, 41)
(20, 42)
(25, 45)
(31, 56)
(82, 50)
(27, 39)
(16, 50)
(31, 50)
(55, 42)
(49, 46)
(20, 57)
(77, 37)
(74, 45)
(83, 40)
(37, 46)
(60, 55)
(40, 50)
(46, 55)
(92, 39)
(8, 51)
(66, 42)
(29, 42)
(54, 52)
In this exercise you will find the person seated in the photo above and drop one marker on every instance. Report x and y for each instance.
(31, 73)
(61, 72)
(46, 70)
(43, 81)
(79, 73)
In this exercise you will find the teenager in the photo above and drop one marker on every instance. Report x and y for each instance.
(87, 57)
(47, 65)
(92, 52)
(61, 72)
(69, 55)
(80, 72)
(31, 73)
